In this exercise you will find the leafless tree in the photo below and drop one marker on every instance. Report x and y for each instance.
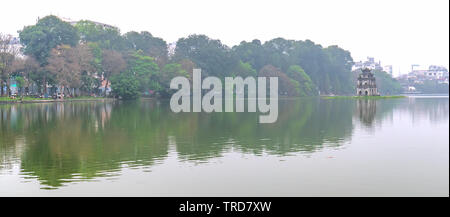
(25, 67)
(112, 63)
(8, 53)
(66, 64)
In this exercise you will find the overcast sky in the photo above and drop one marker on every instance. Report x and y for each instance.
(397, 32)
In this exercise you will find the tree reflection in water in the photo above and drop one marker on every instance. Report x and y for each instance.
(67, 142)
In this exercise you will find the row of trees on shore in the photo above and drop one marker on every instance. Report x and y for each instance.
(86, 55)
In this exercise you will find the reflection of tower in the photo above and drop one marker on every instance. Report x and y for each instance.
(366, 111)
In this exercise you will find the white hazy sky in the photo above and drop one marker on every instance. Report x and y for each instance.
(397, 32)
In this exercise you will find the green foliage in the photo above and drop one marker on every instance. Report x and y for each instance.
(252, 53)
(328, 68)
(339, 69)
(168, 72)
(107, 37)
(214, 58)
(20, 81)
(89, 83)
(149, 45)
(48, 33)
(305, 85)
(304, 68)
(125, 86)
(386, 84)
(244, 70)
(145, 69)
(286, 85)
(97, 55)
(432, 87)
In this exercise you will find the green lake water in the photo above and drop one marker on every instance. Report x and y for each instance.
(317, 147)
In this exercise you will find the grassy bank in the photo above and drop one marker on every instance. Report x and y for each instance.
(32, 99)
(362, 97)
(7, 99)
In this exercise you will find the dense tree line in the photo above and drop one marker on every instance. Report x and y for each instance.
(432, 87)
(88, 55)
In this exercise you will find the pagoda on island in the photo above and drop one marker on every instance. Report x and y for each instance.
(366, 85)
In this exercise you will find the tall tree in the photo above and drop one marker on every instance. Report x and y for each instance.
(67, 63)
(188, 66)
(339, 69)
(306, 86)
(145, 69)
(29, 69)
(252, 53)
(213, 57)
(244, 70)
(168, 72)
(38, 40)
(112, 63)
(107, 37)
(8, 54)
(92, 80)
(286, 85)
(151, 46)
(49, 32)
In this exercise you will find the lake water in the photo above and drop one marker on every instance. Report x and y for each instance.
(317, 147)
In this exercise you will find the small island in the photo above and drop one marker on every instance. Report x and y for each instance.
(366, 88)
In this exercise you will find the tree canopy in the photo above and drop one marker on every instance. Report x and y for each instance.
(49, 32)
(87, 55)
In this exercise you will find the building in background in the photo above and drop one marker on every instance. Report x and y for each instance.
(370, 63)
(434, 72)
(420, 79)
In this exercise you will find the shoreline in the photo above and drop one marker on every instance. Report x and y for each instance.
(52, 100)
(364, 97)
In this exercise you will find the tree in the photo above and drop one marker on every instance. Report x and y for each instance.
(168, 72)
(107, 37)
(339, 69)
(214, 58)
(38, 40)
(20, 82)
(29, 70)
(67, 63)
(328, 68)
(91, 78)
(49, 32)
(306, 86)
(188, 66)
(432, 87)
(252, 53)
(387, 85)
(151, 46)
(286, 85)
(145, 69)
(103, 53)
(8, 54)
(244, 70)
(16, 73)
(125, 85)
(112, 64)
